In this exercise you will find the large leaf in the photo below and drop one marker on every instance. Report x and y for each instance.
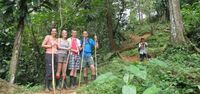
(198, 86)
(137, 72)
(152, 90)
(129, 89)
(126, 78)
(105, 77)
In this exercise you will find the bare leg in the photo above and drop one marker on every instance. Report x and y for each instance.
(72, 72)
(85, 72)
(93, 71)
(64, 68)
(58, 75)
(64, 81)
(58, 70)
(85, 76)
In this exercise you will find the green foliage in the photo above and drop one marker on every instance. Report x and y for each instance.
(6, 43)
(104, 84)
(152, 90)
(161, 35)
(191, 16)
(175, 71)
(130, 52)
(129, 89)
(158, 62)
(113, 66)
(139, 72)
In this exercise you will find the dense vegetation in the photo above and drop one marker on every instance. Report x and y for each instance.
(174, 69)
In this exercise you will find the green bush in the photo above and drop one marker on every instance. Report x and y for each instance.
(105, 84)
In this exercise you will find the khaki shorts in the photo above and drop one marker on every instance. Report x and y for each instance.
(88, 61)
(62, 58)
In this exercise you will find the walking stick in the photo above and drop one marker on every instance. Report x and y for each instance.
(53, 79)
(79, 84)
(95, 52)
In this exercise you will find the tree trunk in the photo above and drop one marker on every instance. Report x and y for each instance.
(110, 26)
(16, 50)
(177, 28)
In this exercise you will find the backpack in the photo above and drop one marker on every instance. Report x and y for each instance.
(88, 40)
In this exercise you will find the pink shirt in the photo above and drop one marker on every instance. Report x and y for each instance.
(49, 41)
(74, 45)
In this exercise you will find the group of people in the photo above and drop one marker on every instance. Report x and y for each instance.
(66, 53)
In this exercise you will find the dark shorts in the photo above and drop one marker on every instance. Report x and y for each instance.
(62, 58)
(87, 61)
(142, 56)
(74, 62)
(48, 65)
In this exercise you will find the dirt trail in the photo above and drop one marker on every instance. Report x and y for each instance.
(135, 39)
(65, 91)
(130, 58)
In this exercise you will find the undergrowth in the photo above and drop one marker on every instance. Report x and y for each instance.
(175, 71)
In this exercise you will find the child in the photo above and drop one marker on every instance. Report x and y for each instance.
(142, 49)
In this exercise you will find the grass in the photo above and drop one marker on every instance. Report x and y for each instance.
(176, 74)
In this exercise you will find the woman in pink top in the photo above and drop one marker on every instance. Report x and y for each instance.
(74, 62)
(50, 45)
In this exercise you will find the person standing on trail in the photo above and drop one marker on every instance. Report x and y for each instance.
(74, 61)
(62, 52)
(88, 61)
(142, 49)
(50, 44)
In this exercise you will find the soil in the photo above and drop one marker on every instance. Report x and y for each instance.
(64, 91)
(7, 88)
(135, 39)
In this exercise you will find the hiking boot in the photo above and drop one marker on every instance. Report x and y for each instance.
(93, 77)
(46, 89)
(58, 84)
(65, 84)
(50, 85)
(75, 81)
(85, 80)
(71, 81)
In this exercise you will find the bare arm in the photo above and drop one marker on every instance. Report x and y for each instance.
(59, 46)
(44, 43)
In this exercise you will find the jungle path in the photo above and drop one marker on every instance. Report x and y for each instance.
(64, 91)
(135, 39)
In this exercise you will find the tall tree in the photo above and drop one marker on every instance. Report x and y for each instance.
(110, 25)
(18, 10)
(16, 48)
(177, 29)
